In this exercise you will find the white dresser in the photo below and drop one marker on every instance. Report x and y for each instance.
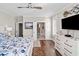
(66, 46)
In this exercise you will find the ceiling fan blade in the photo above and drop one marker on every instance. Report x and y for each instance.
(22, 7)
(37, 7)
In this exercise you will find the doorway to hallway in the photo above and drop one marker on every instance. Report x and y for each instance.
(20, 29)
(40, 30)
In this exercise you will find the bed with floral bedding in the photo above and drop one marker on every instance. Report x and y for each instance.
(15, 46)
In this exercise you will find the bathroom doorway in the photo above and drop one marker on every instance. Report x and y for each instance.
(40, 30)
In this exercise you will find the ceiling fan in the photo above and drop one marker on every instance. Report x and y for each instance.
(30, 6)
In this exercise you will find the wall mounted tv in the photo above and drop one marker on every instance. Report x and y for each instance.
(71, 23)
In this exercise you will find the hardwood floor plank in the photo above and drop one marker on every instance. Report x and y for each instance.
(46, 49)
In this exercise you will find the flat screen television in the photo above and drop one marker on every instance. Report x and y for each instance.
(71, 23)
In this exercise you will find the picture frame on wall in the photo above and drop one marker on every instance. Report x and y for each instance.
(28, 25)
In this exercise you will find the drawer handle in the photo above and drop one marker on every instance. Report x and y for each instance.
(65, 54)
(58, 43)
(67, 44)
(68, 51)
(58, 48)
(66, 40)
(58, 39)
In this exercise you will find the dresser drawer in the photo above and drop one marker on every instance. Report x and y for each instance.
(69, 48)
(68, 44)
(68, 51)
(57, 43)
(59, 49)
(66, 54)
(65, 45)
(57, 39)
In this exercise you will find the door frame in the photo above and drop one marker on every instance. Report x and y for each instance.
(44, 28)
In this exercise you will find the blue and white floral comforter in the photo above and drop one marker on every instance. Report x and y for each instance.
(14, 46)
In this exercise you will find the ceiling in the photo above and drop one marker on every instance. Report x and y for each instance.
(49, 9)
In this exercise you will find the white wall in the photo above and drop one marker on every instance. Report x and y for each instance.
(57, 24)
(48, 28)
(19, 19)
(6, 20)
(29, 32)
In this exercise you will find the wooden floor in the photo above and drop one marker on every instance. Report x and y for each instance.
(46, 49)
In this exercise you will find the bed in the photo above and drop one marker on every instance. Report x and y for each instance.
(15, 46)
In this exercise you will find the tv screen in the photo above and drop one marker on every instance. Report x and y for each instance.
(71, 23)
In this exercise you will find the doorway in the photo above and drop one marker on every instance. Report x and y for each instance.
(40, 30)
(20, 29)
